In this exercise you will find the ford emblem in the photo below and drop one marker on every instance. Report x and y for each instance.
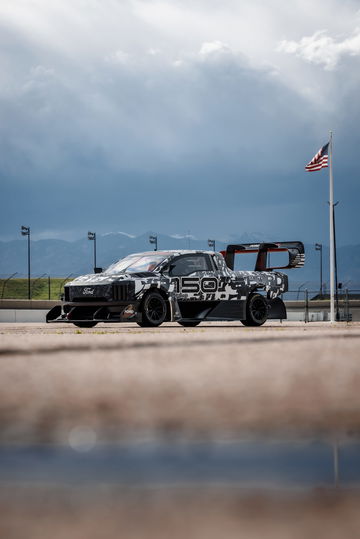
(88, 291)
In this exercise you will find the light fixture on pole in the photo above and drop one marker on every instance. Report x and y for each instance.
(153, 240)
(92, 237)
(25, 231)
(318, 247)
(211, 244)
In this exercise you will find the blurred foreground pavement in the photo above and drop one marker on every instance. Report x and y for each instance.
(61, 387)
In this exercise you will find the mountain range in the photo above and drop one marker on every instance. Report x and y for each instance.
(60, 258)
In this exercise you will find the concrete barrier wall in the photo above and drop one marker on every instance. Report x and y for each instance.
(28, 304)
(23, 315)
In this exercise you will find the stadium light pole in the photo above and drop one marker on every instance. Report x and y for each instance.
(92, 237)
(154, 240)
(318, 247)
(211, 244)
(25, 231)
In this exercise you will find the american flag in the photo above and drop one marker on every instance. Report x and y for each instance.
(320, 160)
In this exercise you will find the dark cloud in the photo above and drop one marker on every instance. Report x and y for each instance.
(137, 138)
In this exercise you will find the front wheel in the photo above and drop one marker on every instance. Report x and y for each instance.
(85, 324)
(256, 311)
(154, 310)
(189, 323)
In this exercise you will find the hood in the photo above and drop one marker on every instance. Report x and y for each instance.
(103, 278)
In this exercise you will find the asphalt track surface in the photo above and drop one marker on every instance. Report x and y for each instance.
(62, 387)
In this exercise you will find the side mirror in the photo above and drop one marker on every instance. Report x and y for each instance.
(98, 270)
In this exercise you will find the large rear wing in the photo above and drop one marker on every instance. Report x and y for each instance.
(294, 248)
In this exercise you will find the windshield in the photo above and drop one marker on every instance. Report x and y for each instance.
(136, 263)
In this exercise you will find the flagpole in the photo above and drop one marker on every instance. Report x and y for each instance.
(331, 222)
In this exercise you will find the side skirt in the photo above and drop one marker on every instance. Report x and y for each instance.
(214, 310)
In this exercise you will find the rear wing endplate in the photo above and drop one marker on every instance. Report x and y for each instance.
(294, 248)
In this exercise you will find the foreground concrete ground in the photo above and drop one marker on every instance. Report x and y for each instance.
(212, 513)
(210, 382)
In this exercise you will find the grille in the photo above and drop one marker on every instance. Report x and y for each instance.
(90, 293)
(120, 292)
(67, 293)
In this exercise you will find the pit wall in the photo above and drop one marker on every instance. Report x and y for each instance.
(24, 310)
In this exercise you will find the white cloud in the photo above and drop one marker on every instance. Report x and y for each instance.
(119, 233)
(213, 47)
(118, 57)
(183, 236)
(322, 49)
(153, 52)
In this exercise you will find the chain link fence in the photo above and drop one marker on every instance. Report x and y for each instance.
(313, 305)
(17, 286)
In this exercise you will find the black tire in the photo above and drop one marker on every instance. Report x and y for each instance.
(154, 310)
(256, 311)
(85, 324)
(189, 323)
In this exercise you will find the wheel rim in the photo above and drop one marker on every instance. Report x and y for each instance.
(155, 309)
(258, 309)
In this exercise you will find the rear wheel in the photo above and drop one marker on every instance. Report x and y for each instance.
(85, 324)
(154, 310)
(189, 323)
(256, 311)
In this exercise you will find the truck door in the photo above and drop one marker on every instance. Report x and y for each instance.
(193, 277)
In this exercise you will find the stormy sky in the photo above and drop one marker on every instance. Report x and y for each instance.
(177, 116)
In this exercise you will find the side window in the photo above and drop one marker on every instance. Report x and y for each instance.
(188, 264)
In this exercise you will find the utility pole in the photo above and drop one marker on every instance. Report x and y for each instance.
(25, 231)
(318, 247)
